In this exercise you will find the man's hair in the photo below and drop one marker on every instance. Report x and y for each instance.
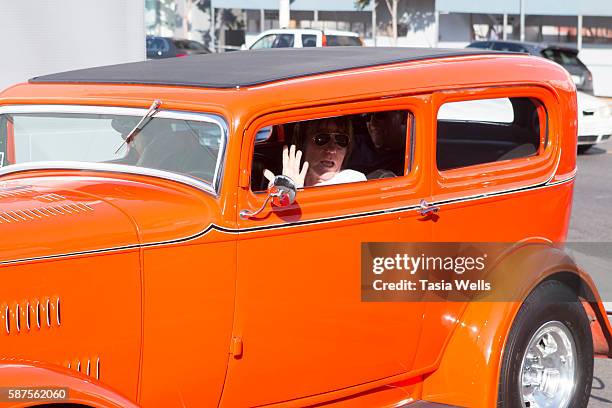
(395, 123)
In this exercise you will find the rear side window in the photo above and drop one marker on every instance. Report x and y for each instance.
(342, 40)
(488, 130)
(480, 44)
(181, 44)
(284, 41)
(562, 57)
(188, 45)
(509, 47)
(309, 40)
(194, 45)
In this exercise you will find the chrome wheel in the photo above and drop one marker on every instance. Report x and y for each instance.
(547, 377)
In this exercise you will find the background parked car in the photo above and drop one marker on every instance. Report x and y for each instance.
(594, 121)
(298, 38)
(166, 47)
(562, 55)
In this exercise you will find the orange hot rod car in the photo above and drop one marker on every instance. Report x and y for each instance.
(165, 244)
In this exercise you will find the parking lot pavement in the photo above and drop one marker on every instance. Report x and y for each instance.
(601, 392)
(592, 222)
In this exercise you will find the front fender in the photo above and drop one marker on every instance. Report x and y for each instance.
(81, 389)
(468, 372)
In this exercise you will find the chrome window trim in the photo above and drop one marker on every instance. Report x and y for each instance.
(224, 230)
(121, 168)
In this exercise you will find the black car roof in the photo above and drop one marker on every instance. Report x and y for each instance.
(248, 68)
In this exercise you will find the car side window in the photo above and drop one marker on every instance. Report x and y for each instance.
(264, 42)
(342, 40)
(159, 44)
(309, 40)
(480, 44)
(335, 150)
(509, 47)
(562, 57)
(4, 152)
(488, 130)
(194, 45)
(284, 41)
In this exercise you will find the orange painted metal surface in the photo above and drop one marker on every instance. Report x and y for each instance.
(184, 303)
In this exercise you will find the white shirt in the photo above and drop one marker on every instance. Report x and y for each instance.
(344, 176)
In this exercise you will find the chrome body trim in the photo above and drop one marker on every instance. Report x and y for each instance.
(120, 168)
(225, 230)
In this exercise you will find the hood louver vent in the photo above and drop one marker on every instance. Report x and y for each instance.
(16, 191)
(30, 315)
(33, 214)
(87, 366)
(48, 198)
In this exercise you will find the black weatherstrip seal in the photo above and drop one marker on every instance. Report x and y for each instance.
(213, 227)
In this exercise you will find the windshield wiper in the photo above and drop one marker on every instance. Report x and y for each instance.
(153, 109)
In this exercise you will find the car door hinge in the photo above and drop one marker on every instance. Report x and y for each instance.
(244, 179)
(236, 347)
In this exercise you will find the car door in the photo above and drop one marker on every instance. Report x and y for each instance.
(492, 163)
(301, 325)
(488, 162)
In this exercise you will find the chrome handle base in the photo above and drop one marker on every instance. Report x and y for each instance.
(246, 214)
(282, 192)
(427, 208)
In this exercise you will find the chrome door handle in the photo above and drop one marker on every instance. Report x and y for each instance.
(426, 208)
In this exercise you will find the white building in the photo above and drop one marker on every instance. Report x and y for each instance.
(43, 37)
(586, 24)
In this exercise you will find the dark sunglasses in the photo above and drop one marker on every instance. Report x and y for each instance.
(321, 139)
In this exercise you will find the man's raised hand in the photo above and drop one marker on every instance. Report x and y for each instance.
(291, 167)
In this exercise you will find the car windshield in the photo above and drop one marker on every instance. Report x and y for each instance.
(188, 45)
(190, 146)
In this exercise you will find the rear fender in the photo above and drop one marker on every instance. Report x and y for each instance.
(468, 371)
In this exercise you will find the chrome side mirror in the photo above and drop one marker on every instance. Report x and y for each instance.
(281, 192)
